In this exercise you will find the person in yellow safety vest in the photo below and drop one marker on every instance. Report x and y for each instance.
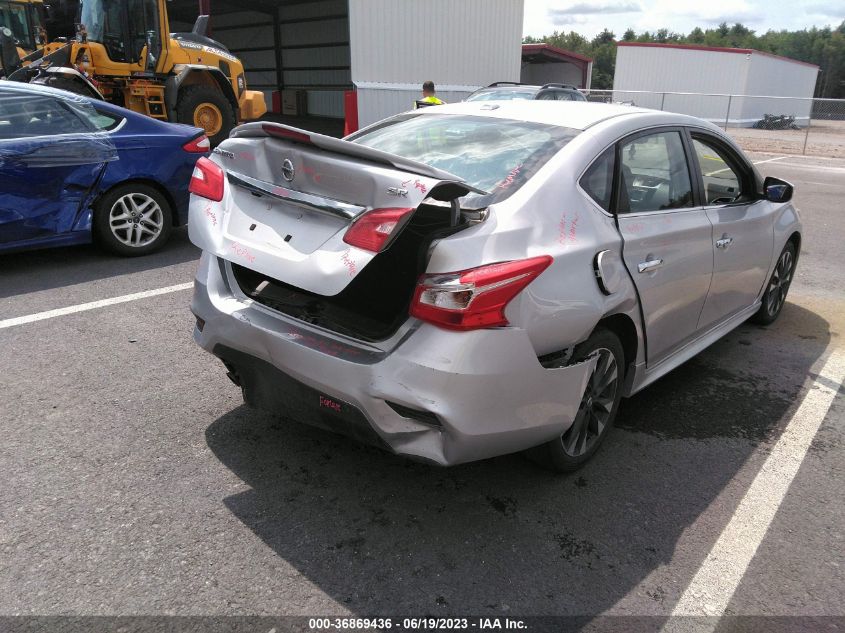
(429, 96)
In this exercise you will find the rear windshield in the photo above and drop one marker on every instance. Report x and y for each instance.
(495, 155)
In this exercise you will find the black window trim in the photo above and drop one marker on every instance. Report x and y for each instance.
(732, 159)
(608, 212)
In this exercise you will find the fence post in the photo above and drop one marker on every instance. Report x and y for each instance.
(662, 101)
(728, 113)
(809, 123)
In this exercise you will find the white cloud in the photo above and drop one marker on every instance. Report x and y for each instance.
(590, 17)
(588, 8)
(713, 12)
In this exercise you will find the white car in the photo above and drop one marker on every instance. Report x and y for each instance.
(477, 279)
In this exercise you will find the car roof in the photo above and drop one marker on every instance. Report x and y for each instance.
(572, 114)
(149, 123)
(508, 87)
(14, 86)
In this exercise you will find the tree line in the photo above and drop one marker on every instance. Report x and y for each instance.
(824, 47)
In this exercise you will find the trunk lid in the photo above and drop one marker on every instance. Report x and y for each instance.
(291, 195)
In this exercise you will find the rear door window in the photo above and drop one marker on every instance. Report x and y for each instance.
(654, 174)
(495, 155)
(104, 121)
(28, 115)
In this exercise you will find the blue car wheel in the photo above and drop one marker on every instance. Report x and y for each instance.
(133, 219)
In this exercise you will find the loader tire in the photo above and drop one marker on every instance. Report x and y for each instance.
(206, 107)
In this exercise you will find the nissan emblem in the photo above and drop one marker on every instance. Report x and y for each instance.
(288, 172)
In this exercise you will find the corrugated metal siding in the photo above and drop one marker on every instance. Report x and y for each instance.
(452, 42)
(315, 65)
(561, 73)
(252, 29)
(325, 103)
(683, 70)
(776, 77)
(317, 68)
(680, 70)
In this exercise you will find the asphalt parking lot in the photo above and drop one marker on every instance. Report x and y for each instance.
(137, 483)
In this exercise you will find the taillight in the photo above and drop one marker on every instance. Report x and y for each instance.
(200, 145)
(373, 230)
(207, 180)
(475, 298)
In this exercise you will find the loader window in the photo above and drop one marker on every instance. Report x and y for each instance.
(144, 26)
(124, 27)
(13, 17)
(104, 23)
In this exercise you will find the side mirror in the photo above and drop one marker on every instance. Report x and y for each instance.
(777, 190)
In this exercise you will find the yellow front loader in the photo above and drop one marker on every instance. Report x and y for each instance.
(119, 55)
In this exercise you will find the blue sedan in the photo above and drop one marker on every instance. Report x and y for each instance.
(75, 170)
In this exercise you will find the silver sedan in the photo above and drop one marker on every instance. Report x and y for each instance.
(481, 278)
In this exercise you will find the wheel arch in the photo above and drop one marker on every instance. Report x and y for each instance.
(624, 328)
(191, 75)
(795, 238)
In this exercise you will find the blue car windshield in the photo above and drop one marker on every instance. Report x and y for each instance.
(495, 155)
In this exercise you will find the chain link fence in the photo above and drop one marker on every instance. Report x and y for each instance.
(788, 125)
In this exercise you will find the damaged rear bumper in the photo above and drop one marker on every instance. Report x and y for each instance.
(445, 397)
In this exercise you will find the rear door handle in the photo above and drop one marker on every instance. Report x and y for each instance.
(724, 242)
(647, 267)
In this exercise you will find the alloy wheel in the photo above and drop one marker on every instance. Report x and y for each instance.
(596, 406)
(136, 219)
(779, 284)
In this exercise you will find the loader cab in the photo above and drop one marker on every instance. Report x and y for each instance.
(130, 31)
(25, 22)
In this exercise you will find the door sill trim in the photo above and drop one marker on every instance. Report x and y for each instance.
(647, 375)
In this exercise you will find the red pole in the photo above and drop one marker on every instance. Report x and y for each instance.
(350, 110)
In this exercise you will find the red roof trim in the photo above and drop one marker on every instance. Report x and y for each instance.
(554, 50)
(692, 47)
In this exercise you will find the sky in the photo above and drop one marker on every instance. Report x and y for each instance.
(590, 17)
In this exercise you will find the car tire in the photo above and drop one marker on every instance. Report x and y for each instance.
(775, 295)
(206, 108)
(598, 408)
(132, 219)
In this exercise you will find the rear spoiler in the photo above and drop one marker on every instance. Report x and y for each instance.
(449, 188)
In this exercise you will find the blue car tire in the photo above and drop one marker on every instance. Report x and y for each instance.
(132, 219)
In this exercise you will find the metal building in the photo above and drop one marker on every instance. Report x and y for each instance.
(306, 54)
(739, 80)
(544, 63)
